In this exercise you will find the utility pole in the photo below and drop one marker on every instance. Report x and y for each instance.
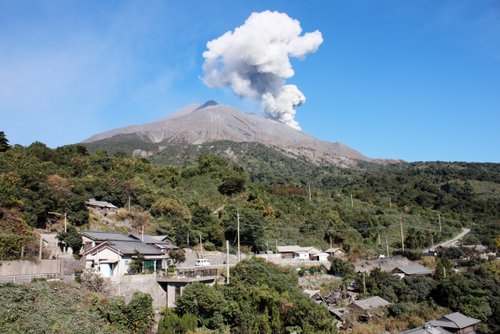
(142, 233)
(402, 236)
(352, 202)
(188, 238)
(227, 261)
(364, 282)
(238, 231)
(309, 192)
(128, 202)
(276, 249)
(386, 246)
(65, 222)
(379, 238)
(439, 219)
(331, 243)
(40, 249)
(201, 243)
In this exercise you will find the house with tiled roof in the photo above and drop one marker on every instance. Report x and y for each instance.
(110, 253)
(454, 323)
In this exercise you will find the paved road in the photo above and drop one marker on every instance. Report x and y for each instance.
(216, 259)
(451, 241)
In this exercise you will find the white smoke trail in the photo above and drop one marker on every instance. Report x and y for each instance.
(254, 60)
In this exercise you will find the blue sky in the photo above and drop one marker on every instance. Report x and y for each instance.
(417, 80)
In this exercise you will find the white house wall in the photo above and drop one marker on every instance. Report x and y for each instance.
(106, 255)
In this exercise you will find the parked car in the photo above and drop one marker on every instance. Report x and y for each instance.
(202, 263)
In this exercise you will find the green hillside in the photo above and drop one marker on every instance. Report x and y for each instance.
(279, 199)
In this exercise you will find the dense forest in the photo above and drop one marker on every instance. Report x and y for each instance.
(279, 199)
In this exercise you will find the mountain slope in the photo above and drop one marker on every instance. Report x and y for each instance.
(195, 124)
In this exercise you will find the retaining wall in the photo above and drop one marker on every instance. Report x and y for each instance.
(18, 268)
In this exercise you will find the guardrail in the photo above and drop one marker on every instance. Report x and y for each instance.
(27, 278)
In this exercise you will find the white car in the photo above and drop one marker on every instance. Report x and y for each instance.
(202, 263)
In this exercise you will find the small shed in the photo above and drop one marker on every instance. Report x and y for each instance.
(365, 305)
(336, 252)
(314, 295)
(101, 206)
(317, 255)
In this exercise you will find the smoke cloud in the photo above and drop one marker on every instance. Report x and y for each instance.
(254, 61)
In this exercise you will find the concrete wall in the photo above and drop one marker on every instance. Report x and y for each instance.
(16, 268)
(142, 283)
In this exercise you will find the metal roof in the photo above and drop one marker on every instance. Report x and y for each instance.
(103, 236)
(454, 320)
(148, 239)
(296, 249)
(311, 293)
(371, 302)
(461, 320)
(414, 269)
(101, 204)
(333, 250)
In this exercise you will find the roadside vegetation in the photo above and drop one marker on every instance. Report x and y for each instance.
(58, 307)
(261, 298)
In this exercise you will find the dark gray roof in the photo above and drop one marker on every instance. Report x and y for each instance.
(103, 236)
(414, 269)
(132, 247)
(461, 320)
(372, 302)
(454, 320)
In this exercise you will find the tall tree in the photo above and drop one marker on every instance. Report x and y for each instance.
(4, 142)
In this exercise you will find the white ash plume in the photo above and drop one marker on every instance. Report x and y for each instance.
(254, 61)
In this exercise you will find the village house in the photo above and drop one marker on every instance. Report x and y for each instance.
(112, 259)
(454, 323)
(302, 253)
(317, 255)
(336, 252)
(413, 269)
(101, 206)
(110, 253)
